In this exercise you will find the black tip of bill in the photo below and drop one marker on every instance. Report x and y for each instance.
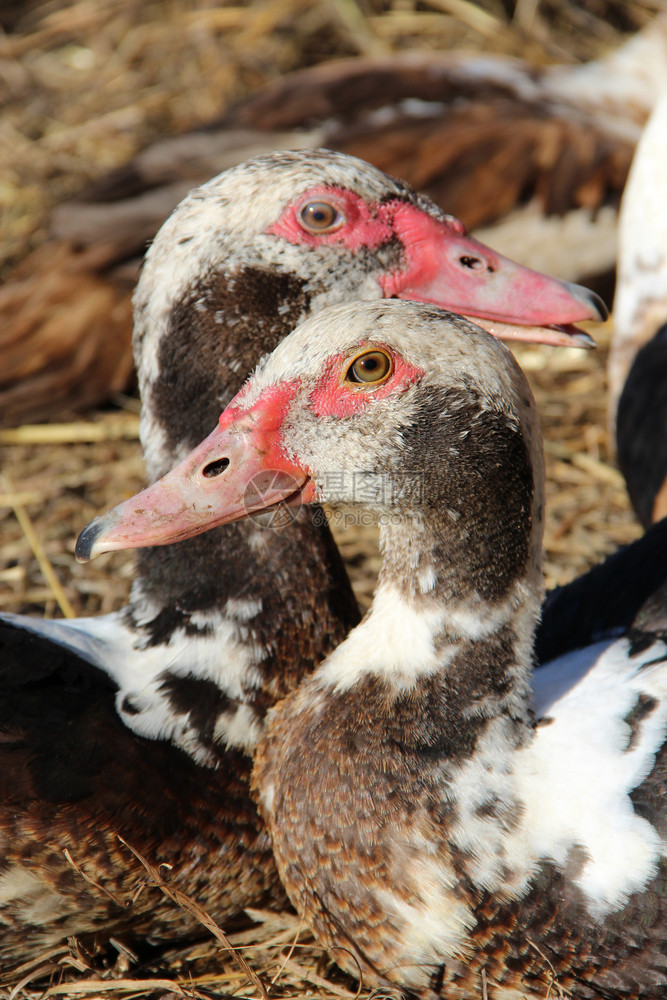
(583, 339)
(597, 305)
(85, 543)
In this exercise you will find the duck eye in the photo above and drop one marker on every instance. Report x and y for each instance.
(370, 369)
(320, 216)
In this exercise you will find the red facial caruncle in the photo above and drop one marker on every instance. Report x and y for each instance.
(325, 215)
(339, 394)
(439, 263)
(265, 416)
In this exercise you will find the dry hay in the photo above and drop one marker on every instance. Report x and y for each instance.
(139, 70)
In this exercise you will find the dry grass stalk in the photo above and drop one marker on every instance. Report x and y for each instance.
(114, 427)
(37, 548)
(106, 988)
(311, 977)
(205, 918)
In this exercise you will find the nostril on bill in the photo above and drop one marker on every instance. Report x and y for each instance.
(215, 468)
(473, 263)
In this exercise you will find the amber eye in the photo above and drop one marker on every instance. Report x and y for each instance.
(370, 369)
(320, 216)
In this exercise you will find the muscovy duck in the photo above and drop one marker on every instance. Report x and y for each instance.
(445, 819)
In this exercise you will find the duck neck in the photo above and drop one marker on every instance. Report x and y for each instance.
(460, 588)
(272, 599)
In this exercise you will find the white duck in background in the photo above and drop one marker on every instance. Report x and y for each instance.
(140, 723)
(445, 820)
(638, 358)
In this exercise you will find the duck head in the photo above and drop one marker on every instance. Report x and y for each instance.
(363, 404)
(255, 251)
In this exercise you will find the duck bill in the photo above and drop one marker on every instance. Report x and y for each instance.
(237, 471)
(555, 336)
(447, 267)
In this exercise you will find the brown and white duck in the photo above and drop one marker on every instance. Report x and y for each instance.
(638, 358)
(445, 820)
(140, 723)
(535, 158)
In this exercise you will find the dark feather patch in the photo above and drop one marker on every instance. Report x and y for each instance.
(643, 707)
(481, 471)
(249, 312)
(605, 601)
(198, 698)
(641, 426)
